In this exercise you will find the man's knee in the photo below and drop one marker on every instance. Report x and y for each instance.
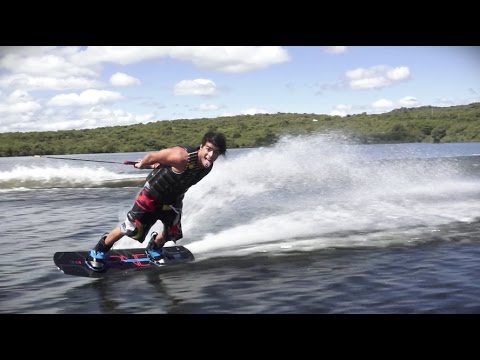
(133, 228)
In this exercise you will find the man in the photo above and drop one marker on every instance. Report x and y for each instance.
(176, 169)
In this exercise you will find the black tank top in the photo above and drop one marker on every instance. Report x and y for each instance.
(166, 185)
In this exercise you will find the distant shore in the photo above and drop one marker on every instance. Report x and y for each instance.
(405, 125)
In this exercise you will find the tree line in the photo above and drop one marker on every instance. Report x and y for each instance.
(422, 124)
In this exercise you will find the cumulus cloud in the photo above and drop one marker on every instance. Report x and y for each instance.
(253, 111)
(121, 79)
(19, 107)
(18, 95)
(232, 59)
(45, 68)
(383, 104)
(398, 73)
(18, 102)
(376, 77)
(54, 64)
(408, 101)
(341, 110)
(61, 68)
(86, 98)
(30, 83)
(95, 117)
(207, 107)
(61, 118)
(107, 117)
(335, 49)
(202, 87)
(379, 106)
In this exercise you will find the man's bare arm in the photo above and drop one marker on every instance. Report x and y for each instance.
(176, 157)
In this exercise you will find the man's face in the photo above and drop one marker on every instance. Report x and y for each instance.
(208, 154)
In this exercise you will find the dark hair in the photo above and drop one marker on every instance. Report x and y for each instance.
(217, 139)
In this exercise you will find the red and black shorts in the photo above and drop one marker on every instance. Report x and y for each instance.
(146, 212)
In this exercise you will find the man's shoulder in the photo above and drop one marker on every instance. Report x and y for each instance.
(177, 149)
(189, 149)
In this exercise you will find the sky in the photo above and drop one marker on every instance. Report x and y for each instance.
(64, 88)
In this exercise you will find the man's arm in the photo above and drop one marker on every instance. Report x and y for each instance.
(176, 157)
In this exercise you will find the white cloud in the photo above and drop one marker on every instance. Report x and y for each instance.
(378, 106)
(232, 59)
(376, 77)
(30, 83)
(18, 95)
(343, 107)
(195, 87)
(60, 118)
(207, 107)
(398, 73)
(123, 55)
(335, 49)
(109, 117)
(341, 110)
(121, 79)
(86, 98)
(408, 101)
(253, 111)
(96, 117)
(53, 64)
(45, 68)
(26, 50)
(19, 103)
(20, 107)
(383, 104)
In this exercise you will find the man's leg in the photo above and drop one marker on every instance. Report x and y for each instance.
(96, 258)
(154, 247)
(131, 227)
(114, 235)
(170, 217)
(158, 239)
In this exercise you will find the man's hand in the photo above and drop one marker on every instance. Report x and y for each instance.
(138, 165)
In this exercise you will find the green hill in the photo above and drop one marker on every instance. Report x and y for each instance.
(422, 124)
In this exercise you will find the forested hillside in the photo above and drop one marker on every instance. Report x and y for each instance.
(423, 124)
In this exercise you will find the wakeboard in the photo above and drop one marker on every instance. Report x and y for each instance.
(118, 260)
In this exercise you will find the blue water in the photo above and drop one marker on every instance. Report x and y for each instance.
(311, 225)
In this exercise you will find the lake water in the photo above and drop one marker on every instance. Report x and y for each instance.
(311, 225)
